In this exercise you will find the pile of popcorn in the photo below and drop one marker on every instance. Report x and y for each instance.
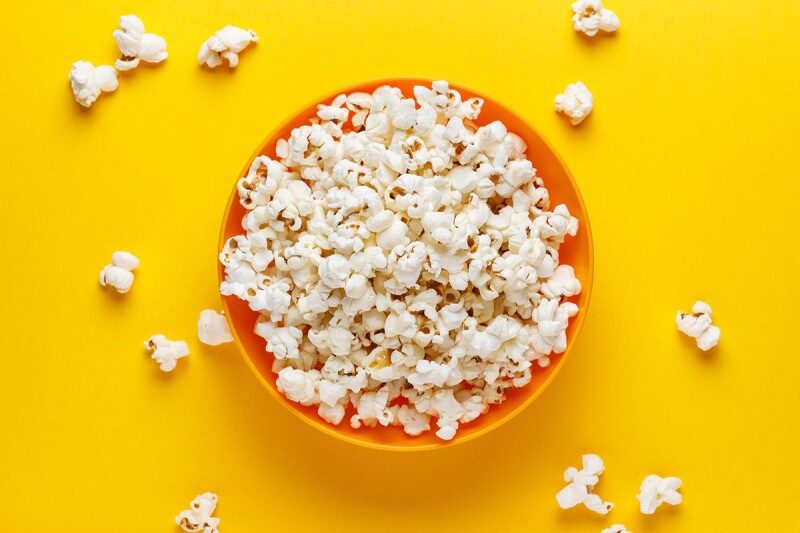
(404, 261)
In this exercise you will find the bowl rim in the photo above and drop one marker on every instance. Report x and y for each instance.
(331, 429)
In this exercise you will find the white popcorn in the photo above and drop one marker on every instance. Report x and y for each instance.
(119, 273)
(616, 528)
(656, 490)
(590, 17)
(576, 102)
(413, 422)
(88, 81)
(166, 352)
(581, 483)
(698, 326)
(552, 318)
(298, 385)
(403, 261)
(562, 283)
(135, 45)
(212, 328)
(226, 44)
(198, 517)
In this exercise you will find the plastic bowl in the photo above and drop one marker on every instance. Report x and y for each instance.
(576, 251)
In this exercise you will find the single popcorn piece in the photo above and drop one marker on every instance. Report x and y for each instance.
(616, 528)
(403, 261)
(213, 329)
(581, 483)
(198, 517)
(88, 81)
(576, 102)
(119, 274)
(590, 17)
(135, 45)
(656, 490)
(166, 352)
(698, 326)
(227, 43)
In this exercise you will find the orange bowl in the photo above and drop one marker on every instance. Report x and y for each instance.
(576, 251)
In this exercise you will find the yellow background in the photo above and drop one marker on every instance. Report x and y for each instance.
(689, 169)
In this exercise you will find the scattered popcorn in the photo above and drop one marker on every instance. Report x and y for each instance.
(581, 484)
(404, 262)
(616, 528)
(212, 328)
(656, 490)
(225, 44)
(89, 81)
(698, 326)
(590, 16)
(134, 44)
(166, 352)
(576, 102)
(198, 517)
(119, 273)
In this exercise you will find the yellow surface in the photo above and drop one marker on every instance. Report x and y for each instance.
(688, 167)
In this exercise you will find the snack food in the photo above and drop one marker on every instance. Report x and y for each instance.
(88, 81)
(198, 517)
(119, 274)
(212, 328)
(226, 44)
(590, 17)
(576, 102)
(398, 260)
(581, 483)
(166, 352)
(656, 490)
(697, 325)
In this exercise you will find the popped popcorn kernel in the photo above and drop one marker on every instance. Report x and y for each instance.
(88, 81)
(198, 517)
(656, 490)
(590, 17)
(576, 102)
(580, 485)
(119, 274)
(213, 329)
(226, 44)
(135, 45)
(403, 260)
(698, 326)
(166, 352)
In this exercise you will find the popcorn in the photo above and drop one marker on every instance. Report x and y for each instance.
(414, 423)
(581, 483)
(562, 283)
(198, 517)
(212, 328)
(166, 352)
(616, 528)
(227, 43)
(298, 385)
(88, 81)
(698, 326)
(135, 45)
(656, 490)
(590, 16)
(576, 102)
(119, 273)
(403, 261)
